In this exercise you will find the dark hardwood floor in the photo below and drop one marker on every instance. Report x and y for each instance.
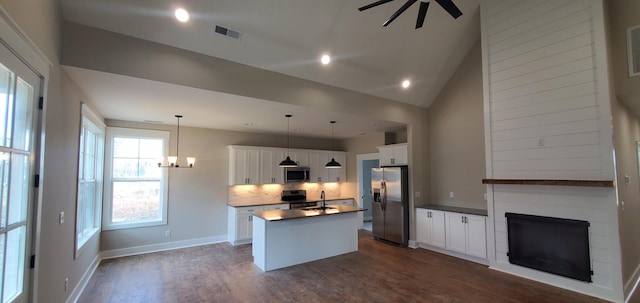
(378, 272)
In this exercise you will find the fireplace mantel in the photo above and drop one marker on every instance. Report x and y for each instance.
(590, 183)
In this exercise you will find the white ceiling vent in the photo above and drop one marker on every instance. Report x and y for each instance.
(223, 30)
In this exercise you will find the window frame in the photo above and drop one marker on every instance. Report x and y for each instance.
(92, 122)
(113, 132)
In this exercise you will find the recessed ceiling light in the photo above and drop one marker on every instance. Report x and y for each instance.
(406, 83)
(325, 59)
(182, 15)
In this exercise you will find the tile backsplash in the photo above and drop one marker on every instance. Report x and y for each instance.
(270, 193)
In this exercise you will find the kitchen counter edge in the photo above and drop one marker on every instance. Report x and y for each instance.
(462, 210)
(239, 204)
(300, 213)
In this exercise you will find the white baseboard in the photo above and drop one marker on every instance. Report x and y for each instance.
(77, 291)
(631, 286)
(130, 251)
(413, 244)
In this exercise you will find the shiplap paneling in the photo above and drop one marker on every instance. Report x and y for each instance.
(547, 116)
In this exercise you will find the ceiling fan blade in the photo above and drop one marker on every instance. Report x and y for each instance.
(399, 11)
(450, 7)
(374, 4)
(424, 6)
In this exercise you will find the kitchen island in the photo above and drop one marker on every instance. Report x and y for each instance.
(288, 237)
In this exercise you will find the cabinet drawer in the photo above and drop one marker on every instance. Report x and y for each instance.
(248, 210)
(276, 206)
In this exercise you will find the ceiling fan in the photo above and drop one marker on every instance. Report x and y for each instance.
(448, 5)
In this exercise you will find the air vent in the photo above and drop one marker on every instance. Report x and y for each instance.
(223, 30)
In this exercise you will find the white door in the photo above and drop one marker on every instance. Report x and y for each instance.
(456, 233)
(437, 234)
(476, 236)
(19, 93)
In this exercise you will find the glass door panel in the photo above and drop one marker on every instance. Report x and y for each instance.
(18, 99)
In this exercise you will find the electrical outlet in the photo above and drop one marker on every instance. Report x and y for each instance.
(541, 142)
(485, 196)
(451, 194)
(418, 194)
(61, 217)
(66, 284)
(167, 233)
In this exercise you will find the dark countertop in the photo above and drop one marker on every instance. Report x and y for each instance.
(241, 204)
(299, 213)
(463, 210)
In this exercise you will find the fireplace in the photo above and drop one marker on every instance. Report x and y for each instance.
(554, 245)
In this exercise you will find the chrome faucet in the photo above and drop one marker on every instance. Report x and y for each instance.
(324, 206)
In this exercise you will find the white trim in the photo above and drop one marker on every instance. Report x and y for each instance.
(359, 202)
(16, 39)
(93, 117)
(630, 51)
(453, 254)
(632, 284)
(86, 277)
(145, 249)
(108, 178)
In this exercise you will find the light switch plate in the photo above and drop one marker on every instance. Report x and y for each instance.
(61, 217)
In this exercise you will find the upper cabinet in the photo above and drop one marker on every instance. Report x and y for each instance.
(260, 165)
(244, 165)
(270, 171)
(319, 173)
(393, 154)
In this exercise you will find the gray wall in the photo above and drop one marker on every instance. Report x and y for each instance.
(626, 122)
(40, 21)
(456, 137)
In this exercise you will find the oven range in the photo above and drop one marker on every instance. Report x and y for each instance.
(296, 198)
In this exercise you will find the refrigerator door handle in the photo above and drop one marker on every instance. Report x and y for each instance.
(383, 194)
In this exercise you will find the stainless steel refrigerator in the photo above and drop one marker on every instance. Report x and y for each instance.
(390, 204)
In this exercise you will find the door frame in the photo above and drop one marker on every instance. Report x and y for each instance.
(18, 42)
(359, 159)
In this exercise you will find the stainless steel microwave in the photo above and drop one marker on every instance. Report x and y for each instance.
(296, 174)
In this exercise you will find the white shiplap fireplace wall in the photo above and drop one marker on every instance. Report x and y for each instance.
(548, 116)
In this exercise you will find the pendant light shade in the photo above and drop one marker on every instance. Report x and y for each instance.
(172, 161)
(287, 162)
(333, 163)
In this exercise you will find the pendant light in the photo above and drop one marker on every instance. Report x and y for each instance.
(288, 162)
(173, 160)
(333, 163)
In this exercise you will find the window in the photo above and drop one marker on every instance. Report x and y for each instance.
(136, 188)
(90, 167)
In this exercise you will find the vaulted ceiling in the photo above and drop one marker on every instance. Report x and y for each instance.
(289, 36)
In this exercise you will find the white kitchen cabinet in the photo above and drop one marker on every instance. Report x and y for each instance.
(338, 174)
(240, 221)
(430, 227)
(317, 171)
(393, 154)
(270, 171)
(244, 165)
(240, 224)
(300, 157)
(466, 234)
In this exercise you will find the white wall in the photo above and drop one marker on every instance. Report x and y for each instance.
(548, 116)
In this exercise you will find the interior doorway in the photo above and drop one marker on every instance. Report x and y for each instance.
(365, 163)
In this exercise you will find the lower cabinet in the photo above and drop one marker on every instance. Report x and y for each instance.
(430, 227)
(466, 234)
(456, 232)
(240, 222)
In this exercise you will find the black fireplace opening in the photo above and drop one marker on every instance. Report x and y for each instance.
(554, 245)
